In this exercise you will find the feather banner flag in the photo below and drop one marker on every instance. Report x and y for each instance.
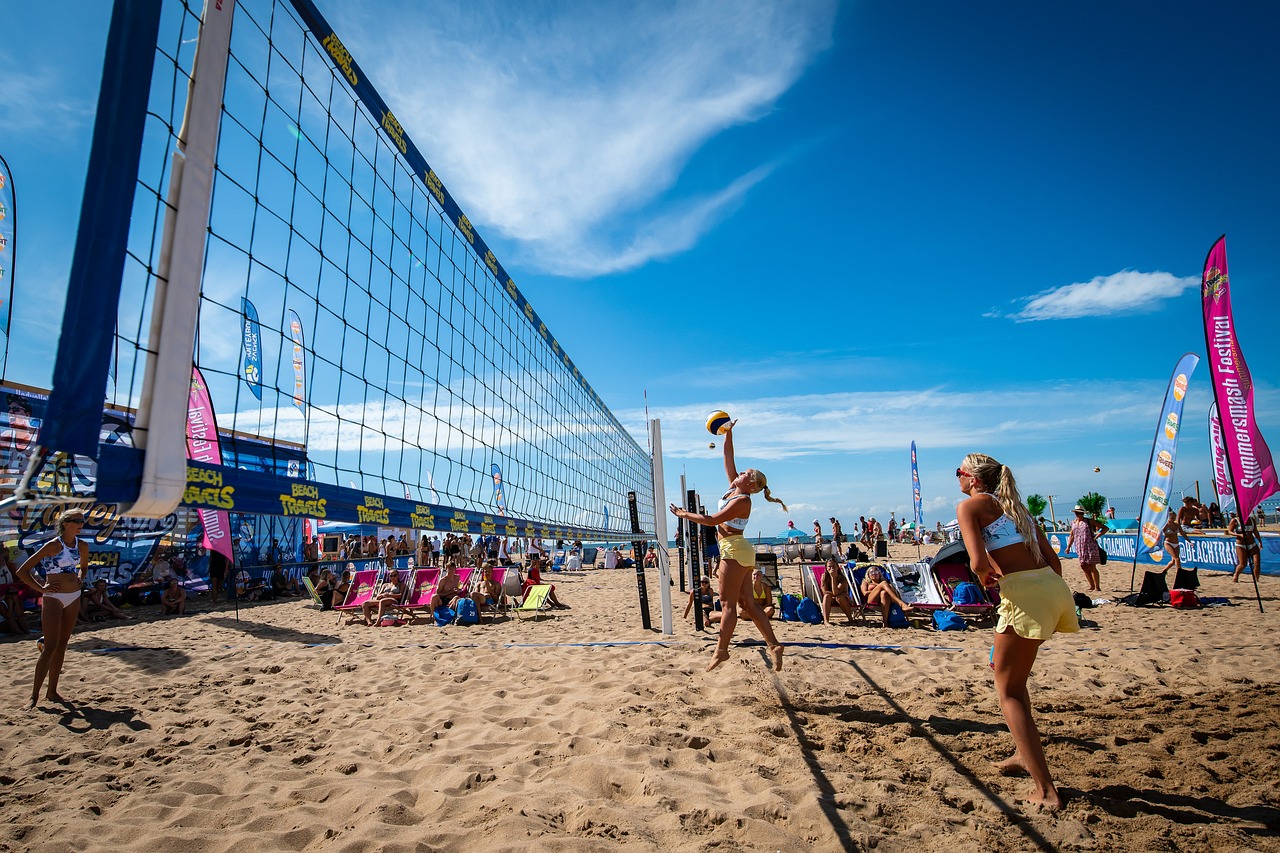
(203, 446)
(299, 365)
(251, 350)
(1249, 464)
(915, 488)
(1221, 476)
(1164, 450)
(7, 247)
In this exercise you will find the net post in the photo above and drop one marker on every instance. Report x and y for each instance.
(161, 426)
(637, 557)
(660, 526)
(695, 555)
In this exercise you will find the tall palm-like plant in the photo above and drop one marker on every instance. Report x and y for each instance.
(1093, 504)
(1036, 505)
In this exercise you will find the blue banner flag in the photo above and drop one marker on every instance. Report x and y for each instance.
(7, 248)
(251, 355)
(915, 487)
(1155, 496)
(499, 497)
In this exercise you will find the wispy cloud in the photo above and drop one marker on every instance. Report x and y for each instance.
(566, 127)
(38, 102)
(1124, 292)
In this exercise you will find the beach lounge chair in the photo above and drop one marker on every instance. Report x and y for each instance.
(311, 591)
(421, 586)
(791, 551)
(535, 601)
(915, 584)
(811, 586)
(500, 578)
(948, 576)
(363, 583)
(809, 553)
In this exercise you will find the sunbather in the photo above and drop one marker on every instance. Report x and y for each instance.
(763, 594)
(12, 618)
(489, 592)
(835, 590)
(879, 594)
(388, 594)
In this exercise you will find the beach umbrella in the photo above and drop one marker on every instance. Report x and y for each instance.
(791, 533)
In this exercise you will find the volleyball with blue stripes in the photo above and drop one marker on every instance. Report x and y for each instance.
(717, 422)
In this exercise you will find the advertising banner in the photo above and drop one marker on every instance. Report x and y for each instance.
(7, 232)
(203, 445)
(251, 348)
(915, 487)
(1221, 476)
(1164, 449)
(299, 363)
(1252, 471)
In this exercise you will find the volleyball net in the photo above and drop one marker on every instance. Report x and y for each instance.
(305, 322)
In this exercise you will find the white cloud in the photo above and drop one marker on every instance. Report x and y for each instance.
(36, 103)
(1124, 292)
(557, 128)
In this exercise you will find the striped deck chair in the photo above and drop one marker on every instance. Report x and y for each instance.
(915, 583)
(535, 601)
(311, 591)
(363, 583)
(811, 581)
(421, 586)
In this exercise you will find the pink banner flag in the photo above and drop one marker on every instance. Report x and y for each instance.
(203, 446)
(1248, 458)
(1221, 476)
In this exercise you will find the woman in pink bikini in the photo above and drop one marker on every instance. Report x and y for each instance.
(64, 562)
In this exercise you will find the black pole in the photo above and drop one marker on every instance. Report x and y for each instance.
(637, 554)
(695, 556)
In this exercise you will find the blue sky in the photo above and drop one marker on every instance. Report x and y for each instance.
(851, 225)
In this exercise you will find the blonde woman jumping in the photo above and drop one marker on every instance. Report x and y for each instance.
(737, 557)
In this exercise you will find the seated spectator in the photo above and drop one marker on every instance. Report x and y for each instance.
(448, 587)
(342, 587)
(489, 593)
(248, 588)
(388, 594)
(706, 599)
(162, 569)
(835, 590)
(534, 578)
(878, 594)
(651, 558)
(573, 563)
(98, 605)
(325, 589)
(763, 594)
(13, 619)
(174, 600)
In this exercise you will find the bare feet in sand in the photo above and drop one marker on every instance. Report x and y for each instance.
(720, 657)
(776, 651)
(1049, 800)
(1011, 766)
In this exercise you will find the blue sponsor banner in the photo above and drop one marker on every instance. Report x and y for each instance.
(251, 350)
(915, 488)
(1215, 553)
(242, 491)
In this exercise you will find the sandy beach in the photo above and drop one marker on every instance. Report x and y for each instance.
(582, 731)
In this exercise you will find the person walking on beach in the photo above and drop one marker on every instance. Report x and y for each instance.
(1084, 535)
(737, 557)
(64, 561)
(1035, 602)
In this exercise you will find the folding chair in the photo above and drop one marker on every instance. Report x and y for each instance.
(362, 586)
(535, 601)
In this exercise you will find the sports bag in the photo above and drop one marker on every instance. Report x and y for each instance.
(967, 592)
(789, 604)
(948, 620)
(809, 611)
(444, 615)
(1184, 599)
(467, 614)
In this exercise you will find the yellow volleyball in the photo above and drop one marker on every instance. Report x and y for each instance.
(717, 422)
